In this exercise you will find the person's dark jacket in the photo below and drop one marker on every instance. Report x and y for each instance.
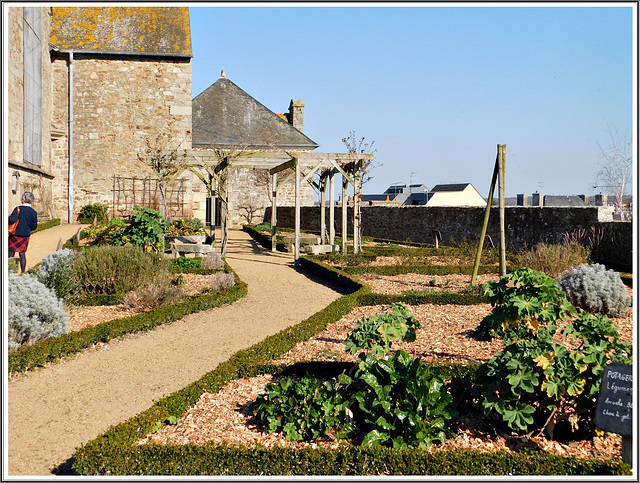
(28, 220)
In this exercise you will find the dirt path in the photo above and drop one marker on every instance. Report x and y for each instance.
(54, 410)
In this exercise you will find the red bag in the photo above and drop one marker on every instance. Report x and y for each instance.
(14, 226)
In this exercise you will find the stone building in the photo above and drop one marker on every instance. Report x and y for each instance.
(122, 84)
(226, 118)
(90, 90)
(93, 90)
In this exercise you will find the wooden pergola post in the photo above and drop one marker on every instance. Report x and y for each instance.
(345, 184)
(332, 203)
(356, 207)
(323, 199)
(274, 192)
(297, 211)
(275, 162)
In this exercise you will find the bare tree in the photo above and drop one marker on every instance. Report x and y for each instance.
(355, 147)
(167, 163)
(615, 170)
(216, 182)
(250, 206)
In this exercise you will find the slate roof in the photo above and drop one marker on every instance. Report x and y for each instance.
(163, 31)
(450, 187)
(227, 116)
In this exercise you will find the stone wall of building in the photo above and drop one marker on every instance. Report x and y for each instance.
(121, 106)
(524, 226)
(22, 175)
(250, 191)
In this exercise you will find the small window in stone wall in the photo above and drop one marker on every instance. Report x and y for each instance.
(32, 51)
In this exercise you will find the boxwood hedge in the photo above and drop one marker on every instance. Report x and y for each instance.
(116, 452)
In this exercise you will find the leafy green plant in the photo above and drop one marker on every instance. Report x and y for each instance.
(186, 227)
(94, 211)
(378, 331)
(264, 226)
(523, 301)
(385, 400)
(184, 262)
(399, 403)
(305, 409)
(104, 234)
(116, 270)
(171, 420)
(146, 229)
(543, 377)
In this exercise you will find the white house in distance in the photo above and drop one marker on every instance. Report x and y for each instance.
(460, 194)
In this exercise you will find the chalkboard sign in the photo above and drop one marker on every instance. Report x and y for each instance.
(615, 404)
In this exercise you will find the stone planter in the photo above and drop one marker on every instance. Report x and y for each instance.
(186, 239)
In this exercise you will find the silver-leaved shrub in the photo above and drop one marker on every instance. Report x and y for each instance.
(57, 272)
(595, 289)
(35, 313)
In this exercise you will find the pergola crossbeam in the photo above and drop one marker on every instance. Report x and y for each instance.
(298, 162)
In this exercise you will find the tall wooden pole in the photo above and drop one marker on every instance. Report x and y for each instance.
(224, 214)
(332, 206)
(503, 247)
(297, 220)
(356, 208)
(323, 200)
(485, 223)
(274, 190)
(345, 184)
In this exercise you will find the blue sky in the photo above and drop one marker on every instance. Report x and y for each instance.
(438, 87)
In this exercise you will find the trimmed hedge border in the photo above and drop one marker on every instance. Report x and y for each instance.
(116, 451)
(421, 269)
(46, 224)
(49, 350)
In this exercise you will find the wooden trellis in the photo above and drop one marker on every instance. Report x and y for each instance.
(130, 192)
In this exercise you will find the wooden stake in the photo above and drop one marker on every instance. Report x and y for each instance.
(502, 150)
(486, 221)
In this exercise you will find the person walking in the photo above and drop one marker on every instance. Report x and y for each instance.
(28, 221)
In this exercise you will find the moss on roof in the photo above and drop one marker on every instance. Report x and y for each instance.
(125, 30)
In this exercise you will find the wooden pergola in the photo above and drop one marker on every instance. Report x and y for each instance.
(302, 165)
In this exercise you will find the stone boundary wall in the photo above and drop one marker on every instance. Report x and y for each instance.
(524, 226)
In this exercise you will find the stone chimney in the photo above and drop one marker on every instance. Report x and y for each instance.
(522, 199)
(584, 198)
(296, 114)
(537, 199)
(602, 199)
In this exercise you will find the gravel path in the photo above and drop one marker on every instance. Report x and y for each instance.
(53, 411)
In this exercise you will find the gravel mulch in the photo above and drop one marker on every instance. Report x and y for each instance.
(445, 335)
(81, 316)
